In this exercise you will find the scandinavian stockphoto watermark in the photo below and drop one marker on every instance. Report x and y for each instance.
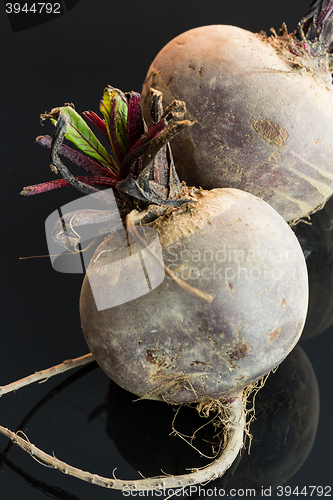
(127, 269)
(132, 264)
(227, 263)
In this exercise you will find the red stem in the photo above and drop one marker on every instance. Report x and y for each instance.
(59, 183)
(83, 161)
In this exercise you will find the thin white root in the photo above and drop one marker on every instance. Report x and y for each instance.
(234, 443)
(69, 364)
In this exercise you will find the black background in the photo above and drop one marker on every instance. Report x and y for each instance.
(72, 59)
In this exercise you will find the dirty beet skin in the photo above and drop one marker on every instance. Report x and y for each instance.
(173, 345)
(263, 108)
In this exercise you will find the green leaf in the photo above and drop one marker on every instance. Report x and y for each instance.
(114, 108)
(81, 135)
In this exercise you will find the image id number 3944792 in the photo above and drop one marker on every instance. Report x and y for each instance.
(307, 491)
(33, 8)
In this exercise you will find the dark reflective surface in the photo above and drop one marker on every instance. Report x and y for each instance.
(316, 239)
(283, 430)
(72, 60)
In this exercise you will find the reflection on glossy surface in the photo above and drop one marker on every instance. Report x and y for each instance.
(141, 431)
(287, 411)
(316, 240)
(40, 326)
(50, 491)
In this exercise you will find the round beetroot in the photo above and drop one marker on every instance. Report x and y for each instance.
(194, 295)
(263, 107)
(173, 345)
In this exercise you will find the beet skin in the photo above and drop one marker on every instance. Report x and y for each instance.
(175, 346)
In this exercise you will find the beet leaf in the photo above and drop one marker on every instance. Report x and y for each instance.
(114, 108)
(82, 136)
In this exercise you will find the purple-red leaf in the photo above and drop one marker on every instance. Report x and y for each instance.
(83, 161)
(153, 132)
(78, 132)
(135, 123)
(114, 108)
(59, 183)
(93, 118)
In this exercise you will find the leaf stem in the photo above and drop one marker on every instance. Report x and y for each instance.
(83, 161)
(61, 169)
(60, 183)
(316, 27)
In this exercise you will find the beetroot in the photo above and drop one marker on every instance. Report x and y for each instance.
(263, 107)
(194, 295)
(173, 345)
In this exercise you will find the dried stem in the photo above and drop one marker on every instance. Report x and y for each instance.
(234, 442)
(58, 167)
(48, 373)
(316, 27)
